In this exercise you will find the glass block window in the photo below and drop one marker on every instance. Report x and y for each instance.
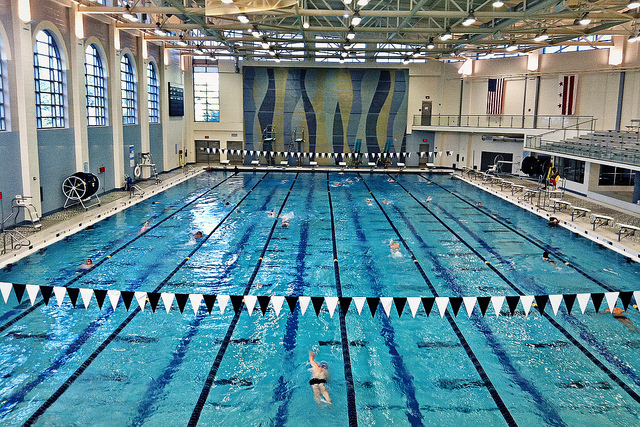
(128, 89)
(49, 82)
(206, 94)
(154, 93)
(95, 87)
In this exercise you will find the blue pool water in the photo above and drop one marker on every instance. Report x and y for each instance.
(77, 366)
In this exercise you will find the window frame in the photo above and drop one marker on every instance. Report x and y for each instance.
(153, 93)
(128, 90)
(201, 97)
(97, 112)
(52, 89)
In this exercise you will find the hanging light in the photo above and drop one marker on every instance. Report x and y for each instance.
(351, 34)
(347, 44)
(181, 41)
(243, 18)
(498, 3)
(198, 51)
(405, 61)
(512, 47)
(272, 52)
(257, 34)
(128, 15)
(305, 22)
(633, 4)
(356, 19)
(430, 45)
(341, 60)
(469, 20)
(585, 20)
(347, 2)
(227, 1)
(446, 35)
(265, 43)
(159, 31)
(634, 37)
(277, 58)
(362, 3)
(344, 54)
(416, 53)
(541, 36)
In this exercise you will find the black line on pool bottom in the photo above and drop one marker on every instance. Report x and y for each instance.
(206, 389)
(348, 371)
(56, 395)
(498, 220)
(559, 327)
(97, 264)
(504, 411)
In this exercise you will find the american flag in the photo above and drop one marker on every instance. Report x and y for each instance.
(495, 96)
(568, 95)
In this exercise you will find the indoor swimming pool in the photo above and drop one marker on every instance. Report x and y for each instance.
(66, 365)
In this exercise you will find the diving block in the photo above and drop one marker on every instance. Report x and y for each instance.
(314, 164)
(600, 220)
(507, 184)
(255, 162)
(342, 164)
(529, 193)
(430, 166)
(225, 162)
(496, 180)
(516, 188)
(578, 212)
(284, 163)
(400, 165)
(372, 164)
(625, 230)
(559, 204)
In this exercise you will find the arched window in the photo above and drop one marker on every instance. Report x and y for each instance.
(128, 88)
(95, 86)
(49, 82)
(154, 94)
(3, 123)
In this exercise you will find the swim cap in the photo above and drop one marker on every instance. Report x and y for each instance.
(323, 365)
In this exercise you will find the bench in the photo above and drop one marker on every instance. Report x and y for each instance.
(625, 230)
(225, 162)
(579, 212)
(600, 220)
(516, 188)
(559, 204)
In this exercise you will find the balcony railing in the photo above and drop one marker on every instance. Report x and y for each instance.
(618, 151)
(586, 123)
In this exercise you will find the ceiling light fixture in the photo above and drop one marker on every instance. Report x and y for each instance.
(265, 43)
(541, 36)
(227, 1)
(405, 61)
(446, 35)
(159, 31)
(272, 52)
(351, 34)
(243, 18)
(469, 20)
(585, 20)
(341, 60)
(362, 3)
(356, 19)
(128, 15)
(347, 44)
(344, 54)
(512, 47)
(277, 58)
(430, 45)
(347, 2)
(633, 4)
(305, 22)
(257, 34)
(498, 3)
(181, 41)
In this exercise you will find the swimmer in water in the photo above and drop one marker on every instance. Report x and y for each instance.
(429, 199)
(369, 202)
(386, 202)
(145, 227)
(553, 221)
(394, 248)
(271, 214)
(618, 314)
(479, 204)
(318, 382)
(198, 235)
(285, 219)
(545, 257)
(88, 265)
(391, 180)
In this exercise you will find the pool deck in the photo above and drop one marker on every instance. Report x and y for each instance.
(57, 226)
(542, 204)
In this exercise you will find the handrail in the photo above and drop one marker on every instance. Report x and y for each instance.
(504, 121)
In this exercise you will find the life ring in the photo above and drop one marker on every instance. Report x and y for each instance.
(137, 171)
